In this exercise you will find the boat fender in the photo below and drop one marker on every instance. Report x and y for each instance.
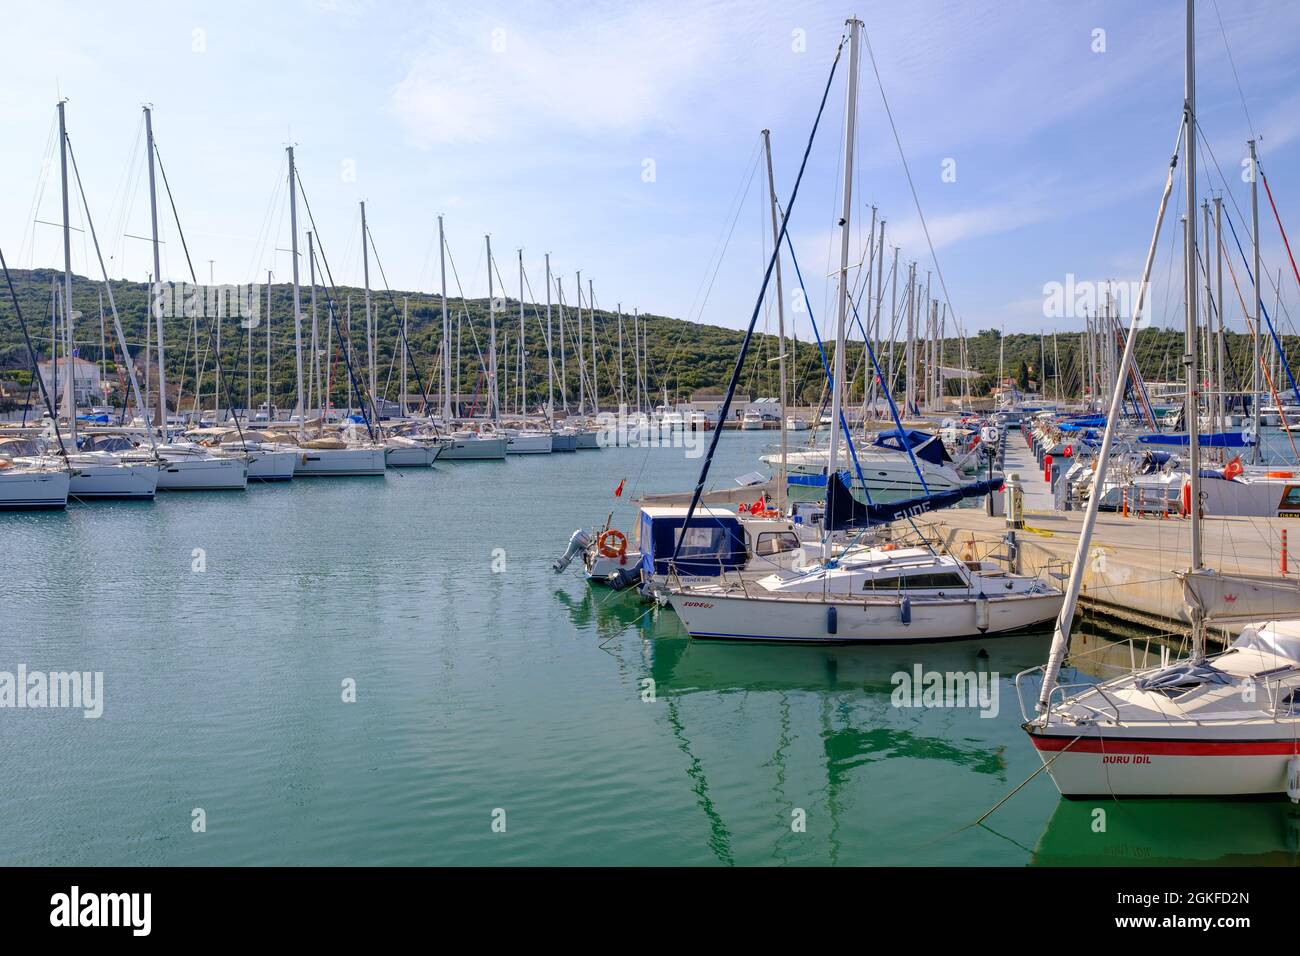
(832, 620)
(905, 610)
(982, 612)
(1293, 779)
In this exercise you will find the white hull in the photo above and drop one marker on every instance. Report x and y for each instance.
(411, 456)
(538, 444)
(1199, 767)
(874, 621)
(339, 462)
(271, 465)
(24, 490)
(474, 449)
(105, 481)
(203, 474)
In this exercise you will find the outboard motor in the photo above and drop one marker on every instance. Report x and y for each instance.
(579, 542)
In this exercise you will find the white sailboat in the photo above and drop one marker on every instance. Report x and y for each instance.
(865, 595)
(1210, 725)
(183, 466)
(327, 456)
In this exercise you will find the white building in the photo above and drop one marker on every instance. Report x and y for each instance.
(84, 375)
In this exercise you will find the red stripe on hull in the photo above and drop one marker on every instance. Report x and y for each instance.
(1169, 748)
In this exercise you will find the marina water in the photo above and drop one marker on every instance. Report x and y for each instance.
(485, 683)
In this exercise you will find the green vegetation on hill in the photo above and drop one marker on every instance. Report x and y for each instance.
(681, 356)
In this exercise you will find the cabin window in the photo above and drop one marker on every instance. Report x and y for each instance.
(776, 542)
(943, 580)
(701, 542)
(1291, 499)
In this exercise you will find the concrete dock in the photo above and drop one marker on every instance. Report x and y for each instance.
(1131, 561)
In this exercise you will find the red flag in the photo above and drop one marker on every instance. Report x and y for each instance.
(759, 506)
(618, 492)
(1233, 468)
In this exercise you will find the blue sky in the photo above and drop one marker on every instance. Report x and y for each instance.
(535, 122)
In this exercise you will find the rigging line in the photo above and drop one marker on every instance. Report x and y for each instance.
(1232, 63)
(38, 193)
(916, 199)
(725, 411)
(419, 380)
(1286, 365)
(469, 320)
(49, 403)
(830, 377)
(329, 302)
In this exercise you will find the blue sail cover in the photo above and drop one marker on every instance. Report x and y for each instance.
(845, 511)
(1217, 440)
(898, 439)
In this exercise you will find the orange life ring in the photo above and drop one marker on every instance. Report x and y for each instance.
(1280, 474)
(609, 551)
(1187, 498)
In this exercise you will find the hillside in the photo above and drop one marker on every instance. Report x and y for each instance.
(682, 356)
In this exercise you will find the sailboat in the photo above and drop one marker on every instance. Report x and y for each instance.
(183, 466)
(881, 594)
(1226, 724)
(31, 485)
(328, 455)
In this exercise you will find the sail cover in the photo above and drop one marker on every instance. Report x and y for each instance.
(1240, 597)
(923, 446)
(845, 511)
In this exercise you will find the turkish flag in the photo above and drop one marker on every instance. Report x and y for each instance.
(618, 492)
(1233, 468)
(759, 506)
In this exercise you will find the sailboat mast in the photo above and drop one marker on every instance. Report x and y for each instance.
(493, 397)
(550, 360)
(446, 329)
(68, 385)
(846, 213)
(269, 415)
(582, 378)
(1190, 350)
(1221, 362)
(315, 328)
(564, 377)
(370, 338)
(1259, 291)
(780, 328)
(522, 386)
(1061, 635)
(299, 406)
(591, 326)
(160, 416)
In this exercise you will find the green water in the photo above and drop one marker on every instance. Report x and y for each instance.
(476, 691)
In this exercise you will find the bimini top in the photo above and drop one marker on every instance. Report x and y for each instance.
(714, 542)
(925, 447)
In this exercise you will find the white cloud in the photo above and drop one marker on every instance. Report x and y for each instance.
(627, 73)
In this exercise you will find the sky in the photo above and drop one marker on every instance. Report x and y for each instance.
(624, 139)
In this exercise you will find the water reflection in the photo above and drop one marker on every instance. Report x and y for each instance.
(1171, 832)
